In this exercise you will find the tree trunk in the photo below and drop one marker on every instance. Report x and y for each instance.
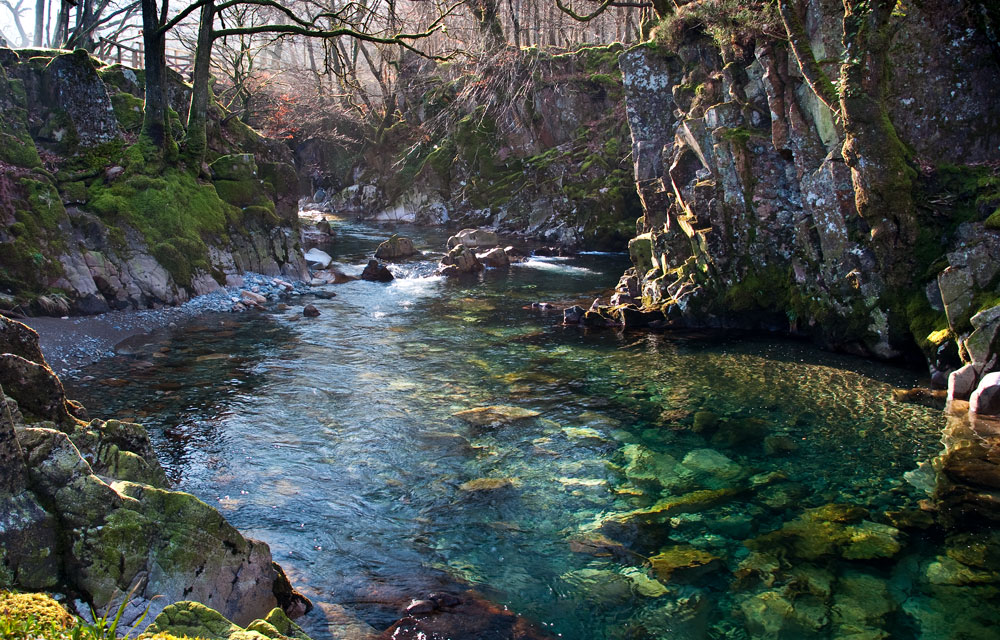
(196, 138)
(515, 22)
(487, 14)
(154, 118)
(880, 171)
(36, 37)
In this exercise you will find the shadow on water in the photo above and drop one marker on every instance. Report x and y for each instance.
(335, 440)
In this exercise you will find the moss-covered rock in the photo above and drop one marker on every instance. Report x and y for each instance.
(195, 620)
(40, 608)
(830, 531)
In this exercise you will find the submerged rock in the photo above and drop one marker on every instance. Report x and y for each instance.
(473, 617)
(684, 563)
(487, 484)
(495, 415)
(832, 530)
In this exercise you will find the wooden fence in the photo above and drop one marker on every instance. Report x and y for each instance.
(111, 51)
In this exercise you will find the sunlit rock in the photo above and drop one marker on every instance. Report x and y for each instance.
(395, 248)
(474, 238)
(318, 259)
(684, 563)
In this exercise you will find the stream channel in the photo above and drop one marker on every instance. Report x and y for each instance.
(334, 440)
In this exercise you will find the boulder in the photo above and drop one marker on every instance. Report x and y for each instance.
(494, 259)
(985, 400)
(459, 260)
(376, 272)
(38, 391)
(188, 619)
(395, 248)
(310, 311)
(76, 102)
(236, 167)
(19, 339)
(318, 259)
(573, 315)
(962, 382)
(474, 238)
(472, 617)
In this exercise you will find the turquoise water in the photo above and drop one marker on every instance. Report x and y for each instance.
(335, 440)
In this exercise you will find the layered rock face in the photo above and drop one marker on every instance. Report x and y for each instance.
(86, 509)
(92, 223)
(756, 208)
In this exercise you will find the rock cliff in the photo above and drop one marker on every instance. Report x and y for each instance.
(92, 221)
(759, 193)
(86, 509)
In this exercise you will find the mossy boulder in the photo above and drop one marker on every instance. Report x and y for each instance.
(78, 102)
(236, 167)
(128, 111)
(38, 391)
(195, 620)
(395, 248)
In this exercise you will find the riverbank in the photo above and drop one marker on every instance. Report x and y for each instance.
(71, 343)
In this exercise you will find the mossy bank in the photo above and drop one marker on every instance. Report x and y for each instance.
(95, 220)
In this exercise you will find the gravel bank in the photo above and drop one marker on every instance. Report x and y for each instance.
(72, 343)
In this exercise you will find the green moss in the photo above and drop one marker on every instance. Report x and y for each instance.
(759, 289)
(128, 111)
(17, 151)
(260, 215)
(928, 327)
(75, 191)
(243, 193)
(173, 211)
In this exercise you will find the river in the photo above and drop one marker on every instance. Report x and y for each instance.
(335, 440)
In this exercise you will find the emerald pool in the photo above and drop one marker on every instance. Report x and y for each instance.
(625, 485)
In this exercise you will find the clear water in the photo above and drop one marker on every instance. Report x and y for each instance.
(334, 440)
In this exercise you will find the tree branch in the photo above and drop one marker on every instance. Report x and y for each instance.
(607, 4)
(812, 72)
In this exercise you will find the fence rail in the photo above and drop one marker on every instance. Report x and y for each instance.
(111, 51)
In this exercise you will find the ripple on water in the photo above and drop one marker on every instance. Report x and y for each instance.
(335, 441)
